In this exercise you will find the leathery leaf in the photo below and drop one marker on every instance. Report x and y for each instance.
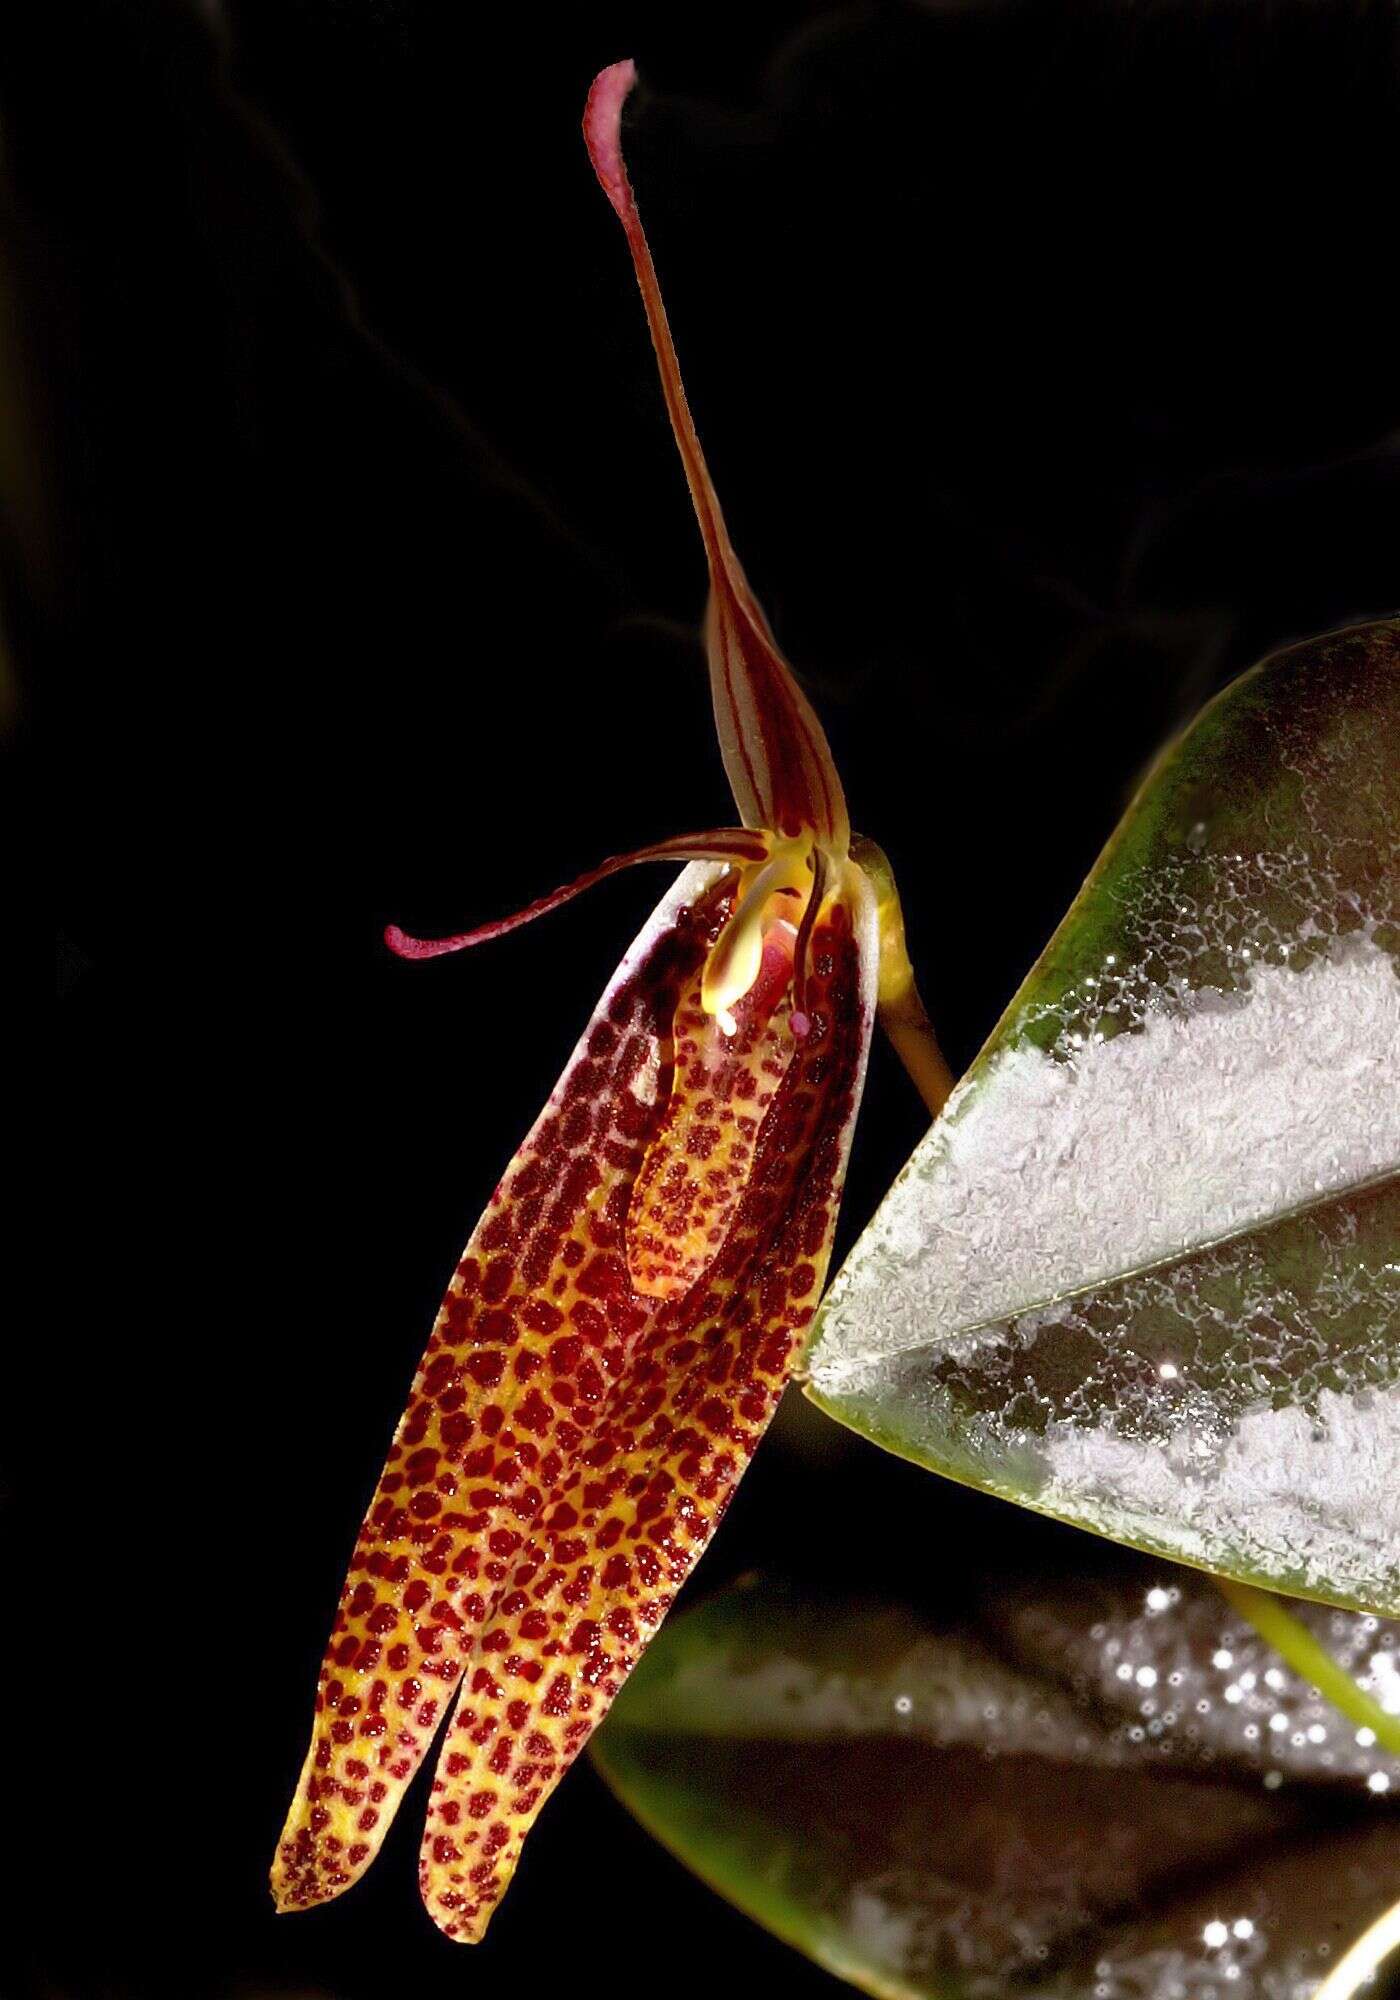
(1144, 1272)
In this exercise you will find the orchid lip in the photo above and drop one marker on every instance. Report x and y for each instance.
(734, 961)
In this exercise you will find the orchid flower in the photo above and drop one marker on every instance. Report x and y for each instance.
(622, 1324)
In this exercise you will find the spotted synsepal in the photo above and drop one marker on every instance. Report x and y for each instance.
(429, 1559)
(571, 1442)
(642, 1494)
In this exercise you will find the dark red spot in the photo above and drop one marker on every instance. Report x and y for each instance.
(496, 1283)
(557, 1699)
(534, 1413)
(456, 1429)
(541, 1317)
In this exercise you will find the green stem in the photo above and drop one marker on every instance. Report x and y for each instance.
(1308, 1657)
(1361, 1964)
(901, 1011)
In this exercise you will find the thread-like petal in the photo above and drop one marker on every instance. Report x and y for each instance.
(724, 843)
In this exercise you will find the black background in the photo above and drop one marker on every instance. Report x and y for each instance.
(1045, 359)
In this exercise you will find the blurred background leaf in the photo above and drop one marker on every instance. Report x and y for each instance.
(1105, 1786)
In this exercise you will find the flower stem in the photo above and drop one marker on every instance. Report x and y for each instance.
(901, 1011)
(1360, 1965)
(1308, 1657)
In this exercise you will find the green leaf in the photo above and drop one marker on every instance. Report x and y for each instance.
(1144, 1272)
(1063, 1795)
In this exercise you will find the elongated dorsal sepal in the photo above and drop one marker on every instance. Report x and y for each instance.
(775, 751)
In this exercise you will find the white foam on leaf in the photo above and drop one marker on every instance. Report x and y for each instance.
(1051, 1173)
(1314, 1495)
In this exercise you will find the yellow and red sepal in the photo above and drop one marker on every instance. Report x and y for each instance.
(612, 1345)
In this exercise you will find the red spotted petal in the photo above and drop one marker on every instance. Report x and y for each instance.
(775, 750)
(570, 1441)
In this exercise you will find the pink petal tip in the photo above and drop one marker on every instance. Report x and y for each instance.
(602, 132)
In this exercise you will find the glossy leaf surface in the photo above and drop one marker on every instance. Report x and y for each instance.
(1144, 1272)
(1111, 1789)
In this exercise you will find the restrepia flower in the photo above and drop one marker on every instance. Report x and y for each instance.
(623, 1322)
